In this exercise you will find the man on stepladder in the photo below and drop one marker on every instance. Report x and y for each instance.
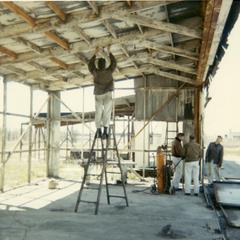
(103, 87)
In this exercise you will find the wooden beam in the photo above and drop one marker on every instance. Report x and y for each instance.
(38, 66)
(82, 34)
(29, 44)
(94, 6)
(164, 26)
(52, 36)
(78, 17)
(16, 70)
(166, 64)
(59, 62)
(81, 46)
(110, 29)
(20, 12)
(170, 50)
(129, 2)
(150, 69)
(8, 52)
(57, 10)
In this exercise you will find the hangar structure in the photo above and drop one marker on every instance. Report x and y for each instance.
(170, 48)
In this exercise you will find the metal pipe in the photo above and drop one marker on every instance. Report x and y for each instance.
(2, 168)
(23, 134)
(30, 137)
(74, 113)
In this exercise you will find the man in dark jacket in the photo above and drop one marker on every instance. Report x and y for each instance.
(192, 155)
(214, 159)
(103, 87)
(177, 155)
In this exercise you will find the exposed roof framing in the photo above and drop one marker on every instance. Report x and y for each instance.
(48, 44)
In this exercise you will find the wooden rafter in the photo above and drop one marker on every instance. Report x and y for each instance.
(94, 6)
(164, 26)
(170, 50)
(145, 58)
(110, 29)
(52, 36)
(38, 66)
(82, 34)
(78, 17)
(17, 70)
(29, 44)
(57, 10)
(60, 63)
(8, 52)
(20, 12)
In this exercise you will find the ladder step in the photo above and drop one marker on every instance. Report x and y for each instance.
(91, 188)
(85, 201)
(94, 174)
(116, 196)
(114, 172)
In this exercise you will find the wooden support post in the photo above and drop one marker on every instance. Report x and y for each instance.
(30, 137)
(2, 166)
(144, 130)
(197, 120)
(53, 128)
(83, 120)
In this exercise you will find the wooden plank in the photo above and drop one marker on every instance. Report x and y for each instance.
(20, 12)
(81, 46)
(8, 52)
(82, 34)
(94, 6)
(110, 29)
(169, 49)
(164, 26)
(38, 66)
(59, 62)
(145, 58)
(77, 17)
(57, 10)
(29, 44)
(52, 36)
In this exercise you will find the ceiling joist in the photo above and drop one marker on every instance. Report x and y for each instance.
(19, 12)
(164, 26)
(57, 10)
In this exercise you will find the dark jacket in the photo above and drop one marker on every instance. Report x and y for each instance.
(177, 149)
(103, 79)
(192, 152)
(214, 153)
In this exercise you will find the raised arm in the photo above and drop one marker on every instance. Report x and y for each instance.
(113, 62)
(91, 64)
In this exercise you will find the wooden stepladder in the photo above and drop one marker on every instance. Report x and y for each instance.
(105, 147)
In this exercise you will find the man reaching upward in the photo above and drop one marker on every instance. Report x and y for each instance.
(103, 87)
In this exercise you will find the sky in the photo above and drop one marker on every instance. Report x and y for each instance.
(222, 113)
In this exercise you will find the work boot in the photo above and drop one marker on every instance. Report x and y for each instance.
(105, 133)
(99, 133)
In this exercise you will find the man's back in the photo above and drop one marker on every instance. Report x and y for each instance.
(192, 151)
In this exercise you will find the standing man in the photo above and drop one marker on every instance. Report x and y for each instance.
(103, 87)
(177, 157)
(214, 159)
(192, 154)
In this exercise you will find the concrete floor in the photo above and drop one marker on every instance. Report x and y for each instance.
(34, 212)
